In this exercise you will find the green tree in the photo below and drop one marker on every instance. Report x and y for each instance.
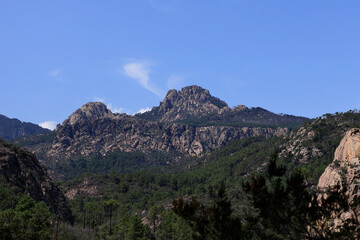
(154, 214)
(110, 206)
(215, 222)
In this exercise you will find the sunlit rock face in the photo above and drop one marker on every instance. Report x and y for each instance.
(345, 172)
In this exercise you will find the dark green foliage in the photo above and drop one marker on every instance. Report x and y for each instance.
(34, 140)
(116, 161)
(280, 202)
(131, 228)
(21, 217)
(173, 227)
(214, 222)
(249, 117)
(14, 128)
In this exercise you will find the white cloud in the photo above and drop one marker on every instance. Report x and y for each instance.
(48, 125)
(174, 81)
(55, 73)
(109, 105)
(143, 110)
(114, 109)
(140, 71)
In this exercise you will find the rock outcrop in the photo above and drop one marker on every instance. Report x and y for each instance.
(344, 172)
(20, 168)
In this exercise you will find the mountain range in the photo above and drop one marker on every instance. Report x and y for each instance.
(188, 123)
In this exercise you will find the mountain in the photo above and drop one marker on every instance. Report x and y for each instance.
(20, 168)
(94, 131)
(194, 105)
(12, 128)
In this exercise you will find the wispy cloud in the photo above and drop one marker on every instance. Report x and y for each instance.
(109, 105)
(140, 71)
(48, 125)
(55, 73)
(97, 99)
(175, 81)
(114, 109)
(142, 110)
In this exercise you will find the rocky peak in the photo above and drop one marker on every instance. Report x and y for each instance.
(90, 110)
(345, 171)
(239, 108)
(189, 102)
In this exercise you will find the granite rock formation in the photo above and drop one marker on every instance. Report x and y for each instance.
(192, 101)
(344, 172)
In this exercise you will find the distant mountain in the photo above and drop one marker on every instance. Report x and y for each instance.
(21, 169)
(12, 128)
(194, 105)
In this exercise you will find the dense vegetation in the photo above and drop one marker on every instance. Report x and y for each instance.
(248, 117)
(115, 161)
(21, 217)
(29, 141)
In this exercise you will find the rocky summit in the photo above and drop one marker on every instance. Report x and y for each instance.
(21, 169)
(192, 101)
(91, 110)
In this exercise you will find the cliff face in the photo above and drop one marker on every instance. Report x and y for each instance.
(20, 168)
(345, 172)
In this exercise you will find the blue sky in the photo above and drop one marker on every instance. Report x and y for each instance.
(295, 57)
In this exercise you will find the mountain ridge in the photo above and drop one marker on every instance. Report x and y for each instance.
(12, 128)
(94, 129)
